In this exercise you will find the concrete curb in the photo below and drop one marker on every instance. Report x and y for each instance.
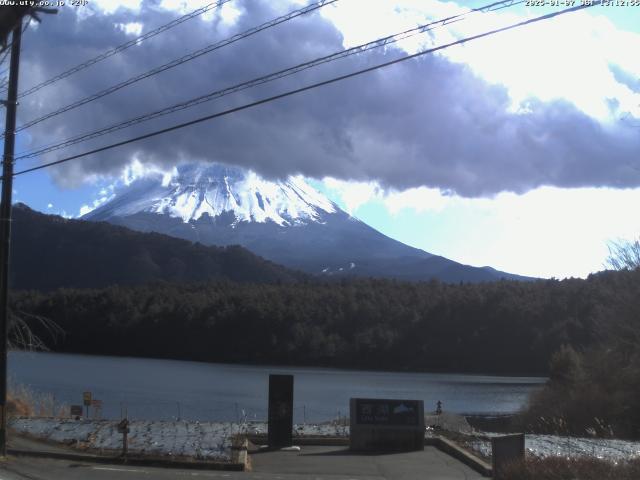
(261, 439)
(450, 448)
(238, 463)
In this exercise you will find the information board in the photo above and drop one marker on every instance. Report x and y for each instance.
(76, 410)
(387, 412)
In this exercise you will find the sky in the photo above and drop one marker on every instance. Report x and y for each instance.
(519, 150)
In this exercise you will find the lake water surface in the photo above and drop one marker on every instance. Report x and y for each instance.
(164, 389)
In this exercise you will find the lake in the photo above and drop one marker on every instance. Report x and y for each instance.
(164, 389)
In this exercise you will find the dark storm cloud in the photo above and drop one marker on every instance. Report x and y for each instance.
(424, 122)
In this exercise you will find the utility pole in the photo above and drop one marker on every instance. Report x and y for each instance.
(5, 224)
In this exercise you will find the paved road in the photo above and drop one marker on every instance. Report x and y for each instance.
(312, 463)
(317, 461)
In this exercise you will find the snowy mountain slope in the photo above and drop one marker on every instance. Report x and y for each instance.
(213, 190)
(287, 222)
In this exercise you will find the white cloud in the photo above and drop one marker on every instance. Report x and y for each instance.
(137, 169)
(550, 230)
(420, 199)
(131, 28)
(230, 14)
(545, 232)
(50, 205)
(531, 61)
(110, 6)
(356, 194)
(84, 209)
(352, 194)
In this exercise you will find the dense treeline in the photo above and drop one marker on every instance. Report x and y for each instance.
(502, 327)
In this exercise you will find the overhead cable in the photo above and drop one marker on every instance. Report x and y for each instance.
(179, 61)
(308, 87)
(381, 42)
(121, 48)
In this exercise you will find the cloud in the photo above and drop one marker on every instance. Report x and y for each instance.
(419, 199)
(104, 198)
(471, 122)
(131, 28)
(352, 194)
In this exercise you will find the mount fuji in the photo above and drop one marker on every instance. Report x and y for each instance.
(285, 221)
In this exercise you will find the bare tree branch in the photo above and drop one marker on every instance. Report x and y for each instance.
(624, 255)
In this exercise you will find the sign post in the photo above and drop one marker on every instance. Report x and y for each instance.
(123, 428)
(86, 400)
(280, 426)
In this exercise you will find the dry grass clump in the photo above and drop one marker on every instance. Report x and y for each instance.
(24, 402)
(560, 468)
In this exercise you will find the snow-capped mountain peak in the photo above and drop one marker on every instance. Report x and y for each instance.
(285, 221)
(212, 189)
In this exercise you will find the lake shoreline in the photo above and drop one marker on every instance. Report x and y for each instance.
(539, 376)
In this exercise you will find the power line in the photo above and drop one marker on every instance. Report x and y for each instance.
(308, 87)
(124, 46)
(381, 42)
(180, 61)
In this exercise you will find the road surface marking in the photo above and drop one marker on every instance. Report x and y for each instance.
(111, 469)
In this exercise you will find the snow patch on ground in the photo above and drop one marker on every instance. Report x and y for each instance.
(212, 440)
(202, 440)
(208, 441)
(551, 445)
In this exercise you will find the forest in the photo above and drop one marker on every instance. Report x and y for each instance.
(503, 327)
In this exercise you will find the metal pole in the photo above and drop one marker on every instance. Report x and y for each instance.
(5, 224)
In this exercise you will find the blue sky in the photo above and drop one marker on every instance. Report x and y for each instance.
(555, 228)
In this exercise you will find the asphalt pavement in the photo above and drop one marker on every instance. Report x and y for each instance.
(311, 463)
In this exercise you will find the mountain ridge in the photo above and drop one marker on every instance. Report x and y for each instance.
(49, 251)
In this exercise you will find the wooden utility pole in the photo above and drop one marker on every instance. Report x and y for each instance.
(11, 104)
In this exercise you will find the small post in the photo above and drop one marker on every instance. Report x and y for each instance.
(86, 399)
(123, 427)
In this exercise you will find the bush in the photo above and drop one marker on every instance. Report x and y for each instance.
(560, 468)
(24, 402)
(594, 394)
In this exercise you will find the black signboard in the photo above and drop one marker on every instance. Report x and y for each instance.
(387, 412)
(76, 410)
(280, 410)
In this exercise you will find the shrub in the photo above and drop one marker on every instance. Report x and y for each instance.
(560, 468)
